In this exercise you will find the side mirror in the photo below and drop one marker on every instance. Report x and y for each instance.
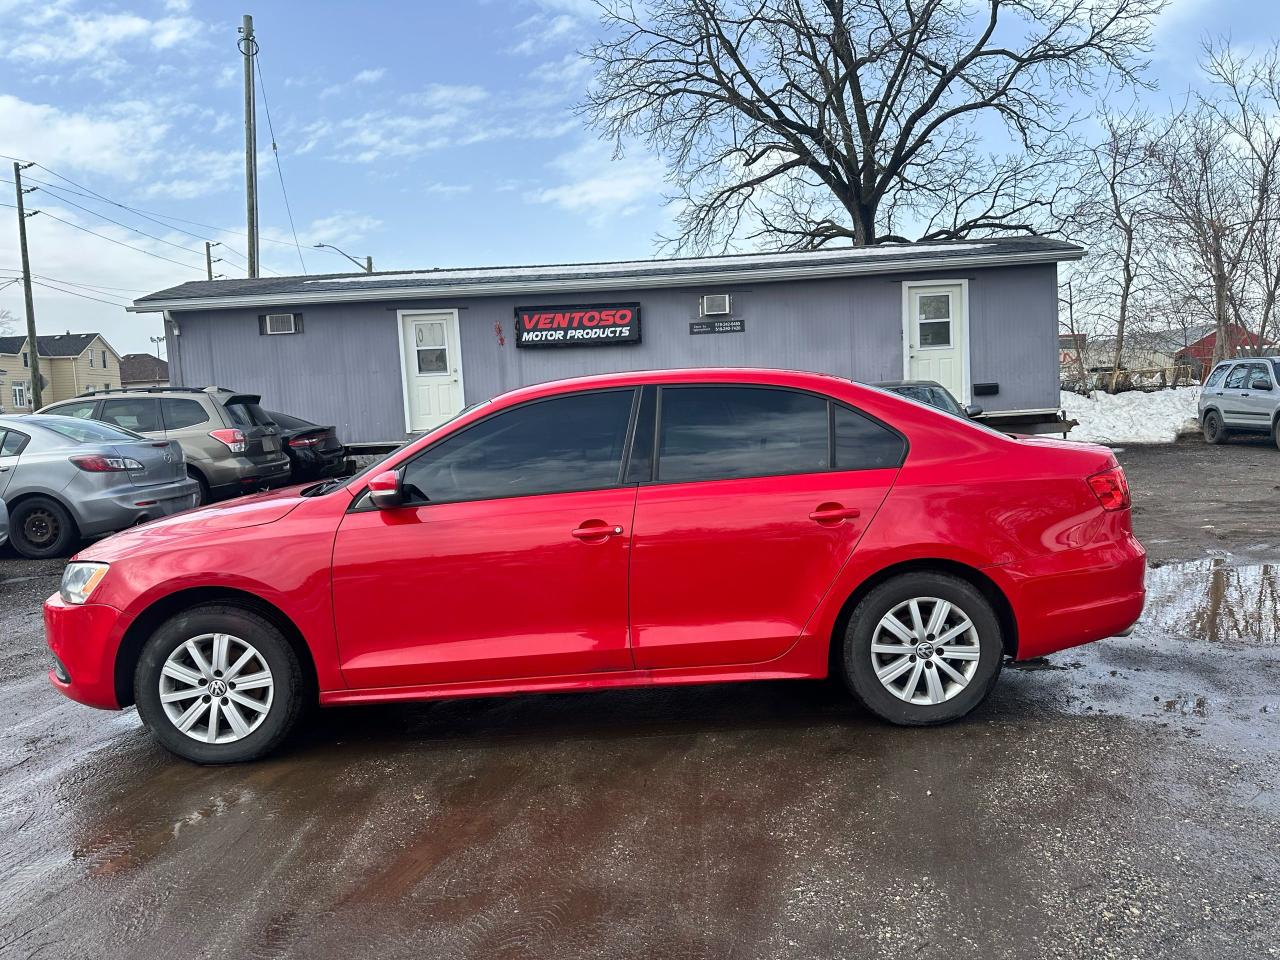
(384, 490)
(972, 410)
(1260, 383)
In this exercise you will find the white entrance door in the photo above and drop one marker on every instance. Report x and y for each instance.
(937, 337)
(432, 369)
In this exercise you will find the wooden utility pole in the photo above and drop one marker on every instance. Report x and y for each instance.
(209, 259)
(368, 264)
(33, 345)
(249, 48)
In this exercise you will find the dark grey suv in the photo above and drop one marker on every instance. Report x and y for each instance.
(1241, 396)
(231, 444)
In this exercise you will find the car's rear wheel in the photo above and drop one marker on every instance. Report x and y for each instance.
(923, 648)
(41, 528)
(1214, 429)
(219, 684)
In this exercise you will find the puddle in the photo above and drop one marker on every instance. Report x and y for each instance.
(1213, 599)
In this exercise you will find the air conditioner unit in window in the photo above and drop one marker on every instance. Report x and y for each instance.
(281, 323)
(716, 305)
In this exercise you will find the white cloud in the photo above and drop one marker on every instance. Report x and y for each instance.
(447, 95)
(58, 35)
(115, 139)
(447, 189)
(541, 30)
(597, 186)
(363, 78)
(369, 76)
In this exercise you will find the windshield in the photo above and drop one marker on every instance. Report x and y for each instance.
(88, 431)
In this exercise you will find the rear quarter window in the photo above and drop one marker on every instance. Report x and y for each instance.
(1219, 372)
(863, 444)
(179, 413)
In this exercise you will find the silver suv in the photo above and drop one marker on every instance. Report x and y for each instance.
(232, 446)
(1240, 396)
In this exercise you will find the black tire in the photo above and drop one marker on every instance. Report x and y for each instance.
(203, 497)
(41, 528)
(1275, 433)
(289, 695)
(860, 670)
(1215, 431)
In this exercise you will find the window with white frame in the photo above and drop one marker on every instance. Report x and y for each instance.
(19, 394)
(91, 364)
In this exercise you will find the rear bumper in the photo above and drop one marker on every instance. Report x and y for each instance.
(236, 475)
(1071, 597)
(84, 638)
(122, 507)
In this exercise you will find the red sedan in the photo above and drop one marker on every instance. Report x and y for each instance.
(674, 527)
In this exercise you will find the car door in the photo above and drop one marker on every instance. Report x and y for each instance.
(11, 445)
(508, 561)
(758, 497)
(1233, 413)
(1258, 396)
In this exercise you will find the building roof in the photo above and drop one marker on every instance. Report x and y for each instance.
(51, 345)
(142, 368)
(622, 275)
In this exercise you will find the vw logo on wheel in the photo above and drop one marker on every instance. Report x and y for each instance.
(218, 688)
(168, 456)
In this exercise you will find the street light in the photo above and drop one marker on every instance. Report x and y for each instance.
(367, 266)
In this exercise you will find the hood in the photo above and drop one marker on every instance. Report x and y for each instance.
(250, 511)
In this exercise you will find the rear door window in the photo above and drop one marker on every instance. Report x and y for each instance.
(139, 414)
(179, 413)
(1235, 379)
(727, 432)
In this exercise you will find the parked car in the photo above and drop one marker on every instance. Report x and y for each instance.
(231, 445)
(65, 479)
(1240, 396)
(315, 452)
(932, 393)
(636, 529)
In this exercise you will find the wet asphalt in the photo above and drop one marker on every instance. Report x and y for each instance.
(1116, 800)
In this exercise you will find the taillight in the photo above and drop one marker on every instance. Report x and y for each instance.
(96, 463)
(1111, 488)
(234, 439)
(305, 441)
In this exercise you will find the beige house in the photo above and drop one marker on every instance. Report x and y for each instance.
(70, 364)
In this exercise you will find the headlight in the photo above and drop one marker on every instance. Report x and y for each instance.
(79, 581)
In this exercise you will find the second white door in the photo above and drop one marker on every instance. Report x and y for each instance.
(432, 369)
(937, 337)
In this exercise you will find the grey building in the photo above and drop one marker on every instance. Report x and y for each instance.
(386, 354)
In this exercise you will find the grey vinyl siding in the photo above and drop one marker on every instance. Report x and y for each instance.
(345, 368)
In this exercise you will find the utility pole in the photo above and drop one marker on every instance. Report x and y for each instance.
(209, 258)
(249, 48)
(368, 264)
(33, 345)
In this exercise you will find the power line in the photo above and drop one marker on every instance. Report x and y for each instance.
(83, 296)
(76, 283)
(257, 62)
(121, 243)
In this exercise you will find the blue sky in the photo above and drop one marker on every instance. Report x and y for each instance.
(424, 134)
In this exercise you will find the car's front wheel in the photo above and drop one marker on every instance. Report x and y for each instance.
(219, 684)
(1214, 429)
(923, 648)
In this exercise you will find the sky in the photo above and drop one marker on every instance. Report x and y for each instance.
(423, 134)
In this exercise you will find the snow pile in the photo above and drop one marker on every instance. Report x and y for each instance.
(1132, 417)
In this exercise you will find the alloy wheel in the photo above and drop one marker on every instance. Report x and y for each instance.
(925, 650)
(216, 688)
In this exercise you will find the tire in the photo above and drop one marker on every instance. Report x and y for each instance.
(203, 497)
(977, 653)
(1215, 430)
(41, 528)
(1275, 433)
(284, 694)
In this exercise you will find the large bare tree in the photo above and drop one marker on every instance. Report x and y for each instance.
(799, 123)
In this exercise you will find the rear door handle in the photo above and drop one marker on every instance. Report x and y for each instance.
(833, 513)
(596, 531)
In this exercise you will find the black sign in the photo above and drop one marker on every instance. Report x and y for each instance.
(718, 326)
(579, 325)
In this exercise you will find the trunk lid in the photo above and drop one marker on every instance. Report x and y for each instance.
(261, 434)
(161, 461)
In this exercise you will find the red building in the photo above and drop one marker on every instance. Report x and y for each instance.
(1199, 355)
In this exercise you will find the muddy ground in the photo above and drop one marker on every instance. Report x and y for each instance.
(1118, 800)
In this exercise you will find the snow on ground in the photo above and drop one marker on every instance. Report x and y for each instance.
(1132, 417)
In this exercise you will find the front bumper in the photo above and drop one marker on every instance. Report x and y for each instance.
(1070, 597)
(123, 507)
(85, 639)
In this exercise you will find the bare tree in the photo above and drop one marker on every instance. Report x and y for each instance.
(806, 122)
